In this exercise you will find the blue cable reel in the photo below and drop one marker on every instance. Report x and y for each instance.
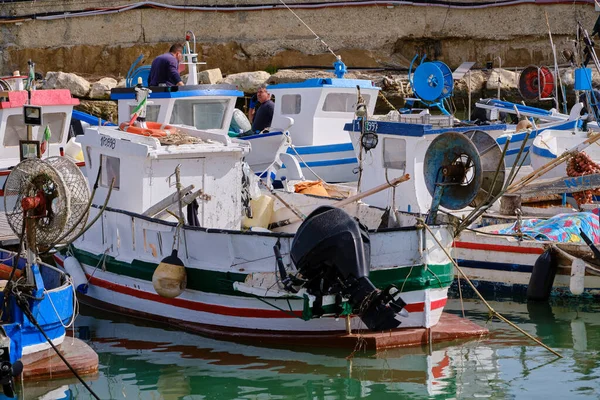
(143, 71)
(432, 83)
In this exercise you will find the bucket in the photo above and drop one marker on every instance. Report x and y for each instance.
(583, 79)
(315, 188)
(262, 210)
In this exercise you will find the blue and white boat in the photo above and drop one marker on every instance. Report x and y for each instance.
(51, 302)
(314, 113)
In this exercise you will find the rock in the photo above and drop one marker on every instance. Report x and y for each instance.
(508, 79)
(104, 109)
(476, 80)
(78, 86)
(247, 82)
(290, 76)
(101, 89)
(210, 76)
(122, 83)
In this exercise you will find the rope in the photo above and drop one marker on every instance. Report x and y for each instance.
(75, 306)
(308, 27)
(492, 311)
(386, 101)
(305, 163)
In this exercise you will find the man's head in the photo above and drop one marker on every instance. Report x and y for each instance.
(177, 51)
(262, 95)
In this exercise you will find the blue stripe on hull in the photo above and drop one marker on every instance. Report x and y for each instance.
(495, 266)
(321, 149)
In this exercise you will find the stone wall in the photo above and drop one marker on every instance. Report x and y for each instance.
(235, 41)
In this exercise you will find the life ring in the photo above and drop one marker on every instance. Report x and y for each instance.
(153, 129)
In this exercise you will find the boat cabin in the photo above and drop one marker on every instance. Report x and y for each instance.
(320, 108)
(205, 107)
(57, 106)
(144, 171)
(400, 149)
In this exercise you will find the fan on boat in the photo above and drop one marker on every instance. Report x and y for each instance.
(53, 194)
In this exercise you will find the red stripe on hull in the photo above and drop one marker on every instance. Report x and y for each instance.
(221, 310)
(498, 247)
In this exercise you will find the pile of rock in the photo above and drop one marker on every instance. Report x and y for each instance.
(395, 86)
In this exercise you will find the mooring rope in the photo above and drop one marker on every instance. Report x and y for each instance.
(492, 311)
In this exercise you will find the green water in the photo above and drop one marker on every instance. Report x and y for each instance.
(144, 361)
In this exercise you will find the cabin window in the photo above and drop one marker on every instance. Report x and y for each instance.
(15, 130)
(342, 102)
(201, 114)
(111, 168)
(151, 112)
(56, 123)
(394, 153)
(290, 104)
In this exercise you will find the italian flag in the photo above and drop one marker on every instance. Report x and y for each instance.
(46, 139)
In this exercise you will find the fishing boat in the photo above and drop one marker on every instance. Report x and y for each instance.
(52, 135)
(222, 280)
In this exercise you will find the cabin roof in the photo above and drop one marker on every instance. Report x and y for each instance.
(326, 83)
(406, 129)
(170, 92)
(46, 97)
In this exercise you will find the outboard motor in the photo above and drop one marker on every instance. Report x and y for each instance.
(331, 251)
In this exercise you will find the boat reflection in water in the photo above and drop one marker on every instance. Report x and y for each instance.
(174, 364)
(150, 362)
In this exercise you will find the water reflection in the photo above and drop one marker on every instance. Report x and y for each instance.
(145, 361)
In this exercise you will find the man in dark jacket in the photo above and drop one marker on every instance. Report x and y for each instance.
(165, 68)
(264, 115)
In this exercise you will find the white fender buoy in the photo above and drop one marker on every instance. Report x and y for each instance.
(74, 268)
(576, 284)
(169, 278)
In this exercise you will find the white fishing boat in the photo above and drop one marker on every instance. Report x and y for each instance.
(234, 282)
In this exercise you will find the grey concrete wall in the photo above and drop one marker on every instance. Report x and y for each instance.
(235, 41)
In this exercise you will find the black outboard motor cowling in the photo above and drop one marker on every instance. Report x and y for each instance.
(331, 251)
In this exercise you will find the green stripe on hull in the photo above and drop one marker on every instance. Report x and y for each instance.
(197, 279)
(408, 279)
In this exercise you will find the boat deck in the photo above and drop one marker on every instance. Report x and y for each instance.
(7, 236)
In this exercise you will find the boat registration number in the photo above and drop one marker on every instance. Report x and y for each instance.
(107, 141)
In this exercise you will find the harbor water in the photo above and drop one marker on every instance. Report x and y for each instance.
(144, 360)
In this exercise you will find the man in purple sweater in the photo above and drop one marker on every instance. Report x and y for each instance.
(165, 68)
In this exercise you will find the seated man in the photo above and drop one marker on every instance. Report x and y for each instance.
(264, 115)
(165, 68)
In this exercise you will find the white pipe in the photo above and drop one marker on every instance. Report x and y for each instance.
(295, 6)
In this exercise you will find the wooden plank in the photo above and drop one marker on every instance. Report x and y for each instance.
(7, 236)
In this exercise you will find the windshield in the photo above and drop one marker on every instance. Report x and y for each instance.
(199, 113)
